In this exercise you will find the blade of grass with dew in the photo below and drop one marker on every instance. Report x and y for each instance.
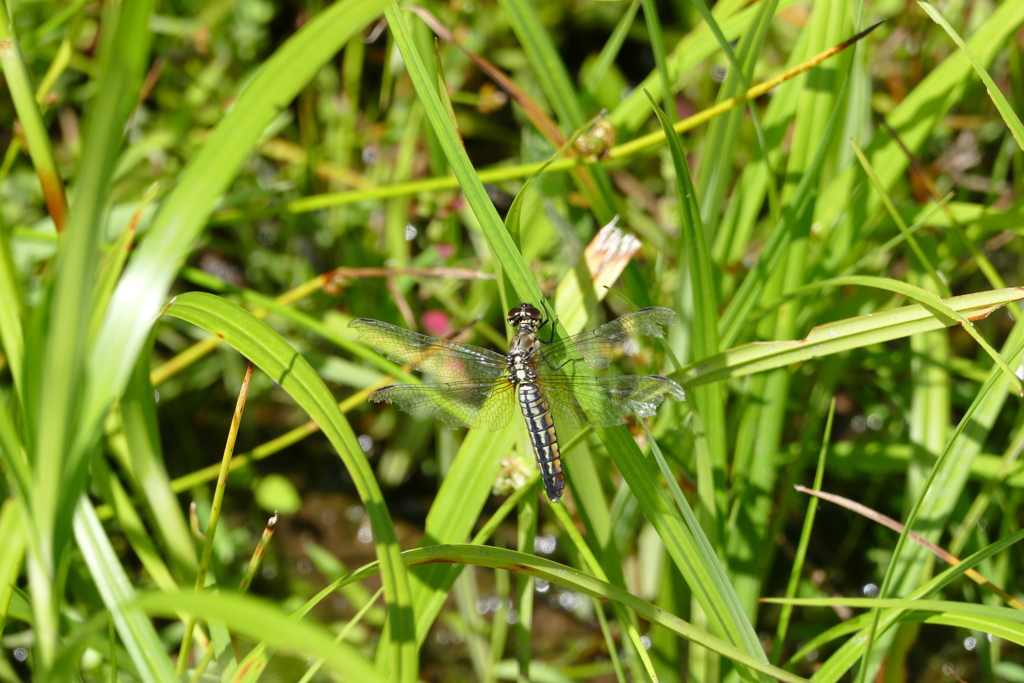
(526, 540)
(627, 620)
(709, 428)
(704, 551)
(995, 613)
(1004, 108)
(264, 347)
(684, 542)
(950, 472)
(837, 664)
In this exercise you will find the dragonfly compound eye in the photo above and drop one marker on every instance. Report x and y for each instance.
(523, 313)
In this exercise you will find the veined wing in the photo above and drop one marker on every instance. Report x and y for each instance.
(429, 354)
(488, 404)
(598, 346)
(606, 401)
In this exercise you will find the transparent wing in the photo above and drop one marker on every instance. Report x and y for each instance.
(486, 404)
(429, 354)
(598, 346)
(606, 401)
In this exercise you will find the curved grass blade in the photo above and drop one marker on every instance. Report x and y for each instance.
(272, 354)
(254, 618)
(538, 567)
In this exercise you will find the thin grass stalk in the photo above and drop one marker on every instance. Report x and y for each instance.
(19, 83)
(211, 527)
(526, 537)
(782, 628)
(627, 620)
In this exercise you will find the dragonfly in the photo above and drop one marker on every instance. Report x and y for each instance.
(544, 378)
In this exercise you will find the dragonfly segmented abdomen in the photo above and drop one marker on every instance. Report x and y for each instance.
(543, 438)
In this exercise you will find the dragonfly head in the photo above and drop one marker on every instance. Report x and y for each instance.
(525, 315)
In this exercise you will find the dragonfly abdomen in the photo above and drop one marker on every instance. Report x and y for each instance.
(543, 438)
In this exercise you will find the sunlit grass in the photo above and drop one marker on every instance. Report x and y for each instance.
(832, 238)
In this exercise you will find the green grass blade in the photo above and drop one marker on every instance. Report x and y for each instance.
(272, 354)
(143, 458)
(62, 443)
(709, 428)
(538, 567)
(37, 138)
(456, 509)
(839, 663)
(12, 539)
(841, 335)
(12, 455)
(133, 626)
(611, 48)
(1005, 110)
(502, 247)
(915, 119)
(805, 538)
(12, 307)
(734, 19)
(254, 618)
